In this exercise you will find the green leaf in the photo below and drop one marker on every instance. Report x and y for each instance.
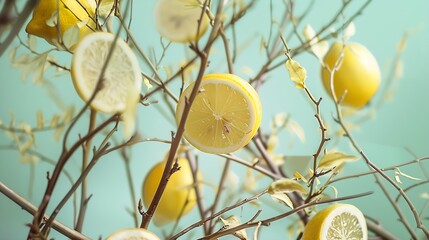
(286, 185)
(297, 73)
(334, 159)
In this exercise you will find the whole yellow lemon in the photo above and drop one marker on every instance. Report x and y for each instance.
(358, 75)
(65, 14)
(179, 196)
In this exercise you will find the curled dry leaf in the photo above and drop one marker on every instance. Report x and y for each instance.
(233, 221)
(317, 46)
(334, 159)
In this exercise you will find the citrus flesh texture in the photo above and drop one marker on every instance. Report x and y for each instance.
(337, 222)
(224, 116)
(121, 77)
(67, 14)
(179, 20)
(133, 234)
(179, 196)
(358, 76)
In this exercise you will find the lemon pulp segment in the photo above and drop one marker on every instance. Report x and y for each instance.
(224, 116)
(133, 234)
(338, 221)
(121, 76)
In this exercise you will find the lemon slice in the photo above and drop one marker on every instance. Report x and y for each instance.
(121, 77)
(177, 20)
(133, 234)
(225, 115)
(179, 197)
(338, 221)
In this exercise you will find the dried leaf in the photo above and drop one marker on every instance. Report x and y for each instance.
(398, 173)
(299, 176)
(147, 83)
(317, 46)
(286, 185)
(296, 129)
(256, 232)
(349, 31)
(280, 120)
(106, 7)
(250, 182)
(294, 164)
(129, 115)
(71, 36)
(233, 221)
(424, 195)
(399, 69)
(297, 73)
(334, 159)
(29, 159)
(39, 117)
(282, 198)
(52, 21)
(54, 121)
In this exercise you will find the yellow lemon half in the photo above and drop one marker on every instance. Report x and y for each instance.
(358, 76)
(178, 20)
(225, 115)
(65, 14)
(121, 79)
(133, 234)
(338, 221)
(179, 196)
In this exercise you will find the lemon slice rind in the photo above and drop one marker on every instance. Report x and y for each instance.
(133, 233)
(122, 75)
(239, 86)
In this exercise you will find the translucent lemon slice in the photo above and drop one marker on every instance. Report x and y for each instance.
(338, 221)
(179, 196)
(133, 234)
(225, 115)
(177, 20)
(122, 75)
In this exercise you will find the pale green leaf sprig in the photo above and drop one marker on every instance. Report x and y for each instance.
(279, 188)
(297, 73)
(333, 160)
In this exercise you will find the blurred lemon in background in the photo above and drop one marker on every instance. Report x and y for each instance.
(52, 18)
(179, 20)
(179, 196)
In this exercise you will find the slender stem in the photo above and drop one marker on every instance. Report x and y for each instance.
(268, 221)
(219, 191)
(131, 187)
(213, 216)
(30, 208)
(147, 216)
(85, 152)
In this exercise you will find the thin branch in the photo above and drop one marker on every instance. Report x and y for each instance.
(30, 208)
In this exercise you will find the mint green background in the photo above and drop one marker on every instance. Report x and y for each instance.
(399, 124)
